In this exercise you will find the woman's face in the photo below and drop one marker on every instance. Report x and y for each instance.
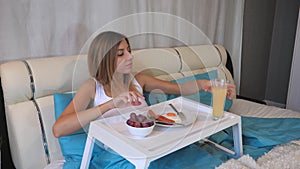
(124, 58)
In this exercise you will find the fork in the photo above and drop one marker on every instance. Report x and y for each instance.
(180, 114)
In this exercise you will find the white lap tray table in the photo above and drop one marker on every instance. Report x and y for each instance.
(163, 140)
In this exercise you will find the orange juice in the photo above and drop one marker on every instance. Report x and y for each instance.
(219, 96)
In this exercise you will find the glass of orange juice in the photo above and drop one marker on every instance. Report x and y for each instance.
(219, 91)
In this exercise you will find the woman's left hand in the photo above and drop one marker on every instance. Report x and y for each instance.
(230, 93)
(206, 86)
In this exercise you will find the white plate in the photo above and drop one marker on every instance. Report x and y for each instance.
(190, 119)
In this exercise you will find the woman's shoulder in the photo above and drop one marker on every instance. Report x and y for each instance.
(141, 76)
(144, 78)
(88, 87)
(89, 83)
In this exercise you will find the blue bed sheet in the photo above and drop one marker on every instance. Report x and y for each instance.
(259, 136)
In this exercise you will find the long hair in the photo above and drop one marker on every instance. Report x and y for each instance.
(102, 57)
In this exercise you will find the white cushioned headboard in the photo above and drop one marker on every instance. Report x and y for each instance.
(199, 57)
(64, 74)
(156, 61)
(16, 80)
(25, 136)
(28, 88)
(202, 58)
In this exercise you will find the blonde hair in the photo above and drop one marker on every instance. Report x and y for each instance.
(102, 57)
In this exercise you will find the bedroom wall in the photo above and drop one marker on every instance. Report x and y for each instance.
(268, 43)
(293, 92)
(258, 23)
(282, 47)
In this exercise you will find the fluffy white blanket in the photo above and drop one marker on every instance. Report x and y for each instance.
(286, 156)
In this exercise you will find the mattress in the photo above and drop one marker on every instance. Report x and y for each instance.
(251, 109)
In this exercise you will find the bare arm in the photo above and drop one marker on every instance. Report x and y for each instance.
(76, 116)
(150, 83)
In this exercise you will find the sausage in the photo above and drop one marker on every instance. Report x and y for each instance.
(160, 117)
(164, 119)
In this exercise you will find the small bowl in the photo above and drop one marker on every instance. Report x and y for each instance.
(140, 132)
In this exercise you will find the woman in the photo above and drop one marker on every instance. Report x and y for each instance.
(112, 85)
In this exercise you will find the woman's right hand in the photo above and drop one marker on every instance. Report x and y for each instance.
(126, 98)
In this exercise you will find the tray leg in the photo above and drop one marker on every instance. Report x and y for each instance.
(237, 139)
(219, 146)
(141, 164)
(87, 154)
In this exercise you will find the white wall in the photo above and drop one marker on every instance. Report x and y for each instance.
(293, 98)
